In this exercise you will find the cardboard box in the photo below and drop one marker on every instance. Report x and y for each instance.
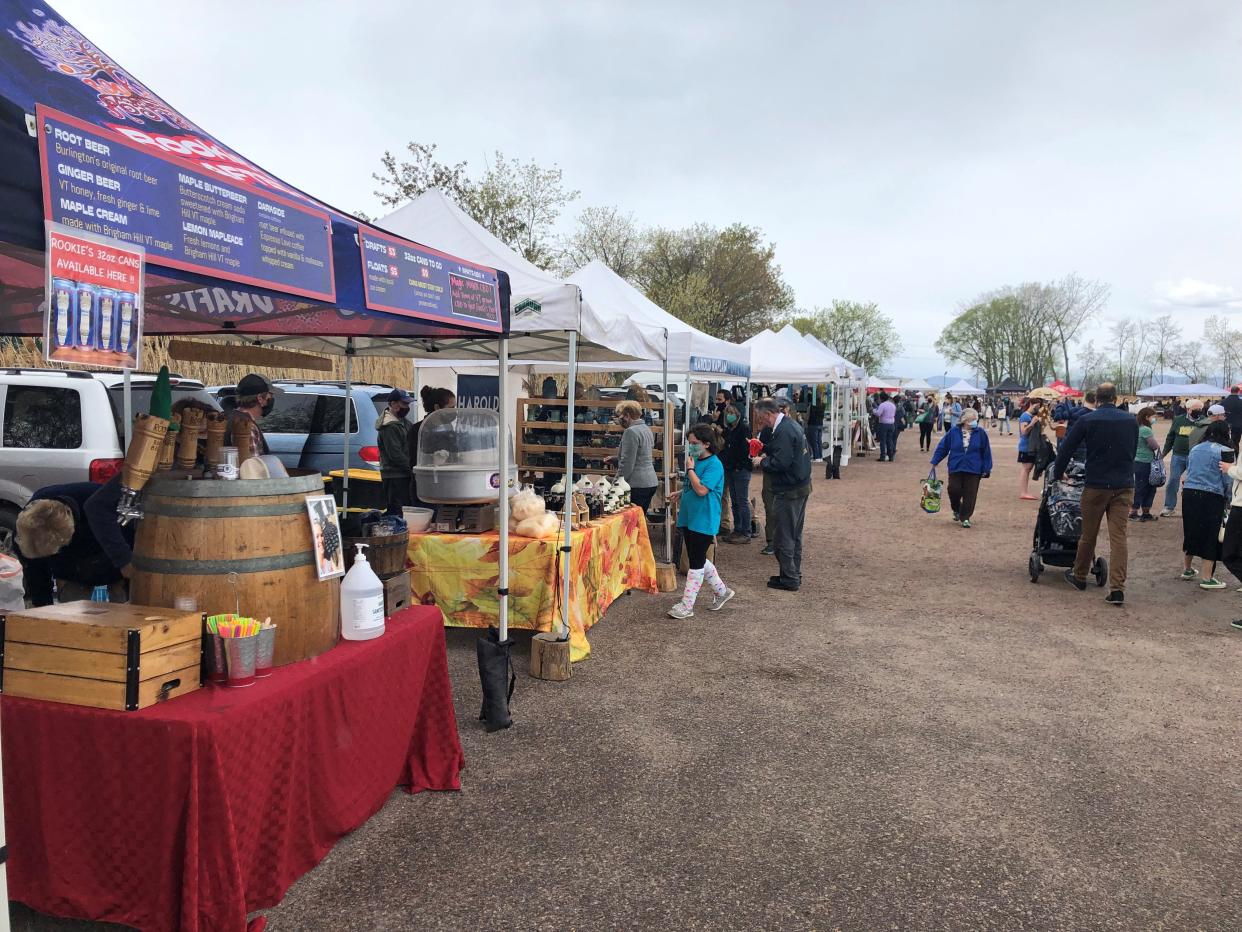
(101, 654)
(396, 593)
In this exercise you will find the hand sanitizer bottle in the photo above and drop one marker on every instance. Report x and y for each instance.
(362, 601)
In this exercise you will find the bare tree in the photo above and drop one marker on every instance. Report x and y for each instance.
(1223, 344)
(1191, 358)
(1165, 335)
(1072, 303)
(1092, 366)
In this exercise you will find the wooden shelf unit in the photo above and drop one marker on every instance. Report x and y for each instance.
(524, 449)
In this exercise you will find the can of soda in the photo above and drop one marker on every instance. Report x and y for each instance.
(64, 296)
(88, 319)
(106, 335)
(227, 467)
(125, 335)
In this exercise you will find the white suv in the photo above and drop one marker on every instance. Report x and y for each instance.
(63, 425)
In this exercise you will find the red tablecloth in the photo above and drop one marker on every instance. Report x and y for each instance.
(189, 815)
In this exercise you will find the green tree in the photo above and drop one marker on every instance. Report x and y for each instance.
(518, 202)
(725, 282)
(859, 331)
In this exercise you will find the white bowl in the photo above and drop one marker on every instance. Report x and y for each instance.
(417, 520)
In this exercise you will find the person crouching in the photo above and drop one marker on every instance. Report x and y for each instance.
(970, 460)
(699, 519)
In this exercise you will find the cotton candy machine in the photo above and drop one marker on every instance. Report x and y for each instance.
(459, 457)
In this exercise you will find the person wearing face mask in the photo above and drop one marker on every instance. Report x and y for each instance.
(634, 461)
(256, 398)
(392, 430)
(698, 517)
(736, 459)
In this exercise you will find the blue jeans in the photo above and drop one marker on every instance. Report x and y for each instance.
(1144, 491)
(1177, 466)
(888, 440)
(815, 440)
(739, 499)
(1004, 426)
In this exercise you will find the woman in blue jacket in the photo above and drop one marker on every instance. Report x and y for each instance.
(1206, 493)
(970, 460)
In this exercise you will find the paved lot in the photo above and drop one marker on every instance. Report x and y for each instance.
(920, 739)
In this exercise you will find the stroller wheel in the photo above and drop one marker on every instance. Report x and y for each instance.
(1035, 567)
(1099, 570)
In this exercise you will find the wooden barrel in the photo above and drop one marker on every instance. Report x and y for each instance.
(197, 532)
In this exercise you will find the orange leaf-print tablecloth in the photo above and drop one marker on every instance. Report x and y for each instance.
(458, 573)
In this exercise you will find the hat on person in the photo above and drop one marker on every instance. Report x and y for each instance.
(1216, 411)
(44, 527)
(398, 394)
(255, 384)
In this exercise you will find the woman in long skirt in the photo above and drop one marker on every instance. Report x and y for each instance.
(1205, 495)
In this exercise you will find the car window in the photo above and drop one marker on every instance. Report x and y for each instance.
(39, 417)
(330, 415)
(292, 414)
(140, 400)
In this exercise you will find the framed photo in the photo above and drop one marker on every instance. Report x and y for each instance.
(325, 536)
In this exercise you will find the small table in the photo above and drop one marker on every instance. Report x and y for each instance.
(459, 573)
(192, 813)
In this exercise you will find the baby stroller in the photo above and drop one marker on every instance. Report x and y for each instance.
(1059, 525)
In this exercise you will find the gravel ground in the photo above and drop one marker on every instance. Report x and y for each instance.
(919, 739)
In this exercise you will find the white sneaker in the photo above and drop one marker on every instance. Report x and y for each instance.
(680, 610)
(719, 602)
(1167, 513)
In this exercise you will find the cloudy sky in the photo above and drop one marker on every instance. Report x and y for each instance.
(913, 154)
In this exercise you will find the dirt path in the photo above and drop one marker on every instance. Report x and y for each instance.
(920, 739)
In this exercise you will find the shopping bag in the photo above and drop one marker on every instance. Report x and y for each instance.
(1157, 477)
(931, 488)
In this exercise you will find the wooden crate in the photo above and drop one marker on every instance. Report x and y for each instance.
(101, 654)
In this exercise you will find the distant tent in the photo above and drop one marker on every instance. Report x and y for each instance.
(1009, 387)
(962, 387)
(1062, 388)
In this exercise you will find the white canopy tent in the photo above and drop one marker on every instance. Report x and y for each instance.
(544, 308)
(962, 387)
(889, 385)
(916, 385)
(847, 368)
(1193, 390)
(786, 357)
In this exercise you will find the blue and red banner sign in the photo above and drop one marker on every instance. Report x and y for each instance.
(108, 183)
(401, 277)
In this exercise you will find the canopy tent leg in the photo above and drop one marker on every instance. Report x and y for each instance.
(349, 371)
(669, 418)
(503, 509)
(567, 543)
(128, 402)
(494, 649)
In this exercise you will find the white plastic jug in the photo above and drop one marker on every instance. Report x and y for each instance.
(362, 601)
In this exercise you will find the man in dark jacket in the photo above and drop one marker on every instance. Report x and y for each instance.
(787, 463)
(1233, 414)
(735, 457)
(69, 542)
(392, 430)
(1111, 437)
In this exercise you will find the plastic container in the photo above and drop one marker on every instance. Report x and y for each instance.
(362, 601)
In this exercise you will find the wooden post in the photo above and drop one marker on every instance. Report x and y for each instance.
(549, 658)
(666, 577)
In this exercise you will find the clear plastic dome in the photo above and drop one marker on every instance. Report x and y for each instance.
(459, 456)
